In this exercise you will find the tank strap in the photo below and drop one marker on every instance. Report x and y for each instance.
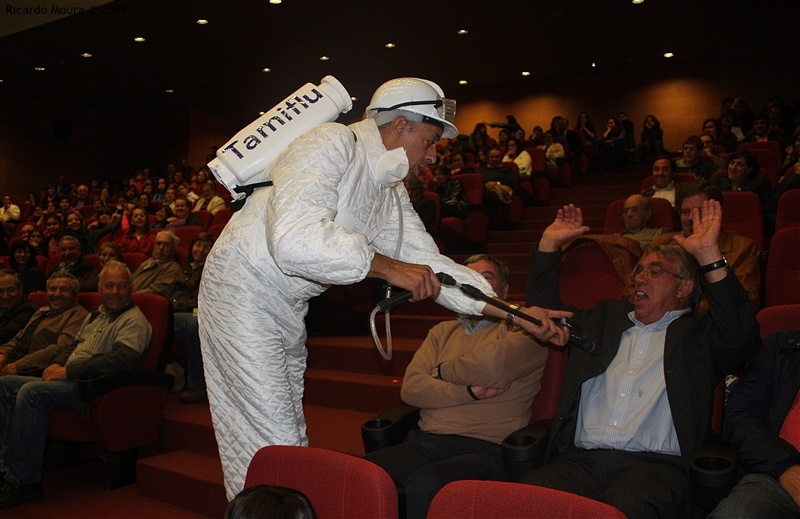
(247, 190)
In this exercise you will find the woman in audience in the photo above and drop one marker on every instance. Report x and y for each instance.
(109, 251)
(105, 197)
(36, 239)
(143, 202)
(744, 175)
(22, 260)
(520, 157)
(612, 148)
(585, 129)
(182, 217)
(651, 144)
(163, 214)
(139, 237)
(160, 190)
(54, 224)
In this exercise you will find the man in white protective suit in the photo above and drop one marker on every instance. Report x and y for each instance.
(336, 213)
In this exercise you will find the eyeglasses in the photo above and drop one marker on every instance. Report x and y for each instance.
(652, 271)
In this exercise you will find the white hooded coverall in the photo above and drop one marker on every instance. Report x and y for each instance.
(320, 224)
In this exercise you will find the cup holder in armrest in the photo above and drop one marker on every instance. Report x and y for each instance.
(524, 450)
(713, 473)
(389, 428)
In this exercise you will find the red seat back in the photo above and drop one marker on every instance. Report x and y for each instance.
(741, 214)
(591, 272)
(782, 279)
(474, 187)
(469, 499)
(778, 318)
(339, 486)
(788, 210)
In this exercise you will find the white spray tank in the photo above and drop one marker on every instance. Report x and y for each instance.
(254, 148)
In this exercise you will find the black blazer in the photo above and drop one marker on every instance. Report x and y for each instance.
(699, 350)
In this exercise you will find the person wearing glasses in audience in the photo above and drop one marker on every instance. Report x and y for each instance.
(632, 413)
(740, 251)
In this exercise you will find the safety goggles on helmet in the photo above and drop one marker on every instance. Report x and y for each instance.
(445, 108)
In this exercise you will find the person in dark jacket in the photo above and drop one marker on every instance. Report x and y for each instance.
(762, 425)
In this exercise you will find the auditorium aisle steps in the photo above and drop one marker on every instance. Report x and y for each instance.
(347, 382)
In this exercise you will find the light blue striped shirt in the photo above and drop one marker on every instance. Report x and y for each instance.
(626, 408)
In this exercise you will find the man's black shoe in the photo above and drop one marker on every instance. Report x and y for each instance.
(11, 494)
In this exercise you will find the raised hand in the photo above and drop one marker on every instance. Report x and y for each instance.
(703, 243)
(567, 226)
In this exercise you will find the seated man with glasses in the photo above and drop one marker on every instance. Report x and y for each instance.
(631, 416)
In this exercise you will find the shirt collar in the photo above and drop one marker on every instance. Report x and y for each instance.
(661, 323)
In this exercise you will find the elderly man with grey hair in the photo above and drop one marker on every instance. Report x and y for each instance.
(636, 213)
(157, 274)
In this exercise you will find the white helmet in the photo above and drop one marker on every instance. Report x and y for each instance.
(418, 96)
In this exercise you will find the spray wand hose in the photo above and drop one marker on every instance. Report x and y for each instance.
(577, 336)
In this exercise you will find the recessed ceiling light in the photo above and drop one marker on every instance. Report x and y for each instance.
(390, 45)
(526, 73)
(86, 55)
(594, 65)
(169, 91)
(138, 39)
(39, 69)
(275, 2)
(462, 82)
(261, 113)
(668, 54)
(463, 31)
(637, 1)
(324, 58)
(353, 98)
(267, 69)
(202, 22)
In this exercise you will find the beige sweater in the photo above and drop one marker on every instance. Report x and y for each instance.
(493, 356)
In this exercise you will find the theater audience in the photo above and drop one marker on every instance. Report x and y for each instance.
(15, 309)
(182, 217)
(138, 237)
(73, 262)
(22, 261)
(111, 340)
(636, 212)
(663, 181)
(744, 175)
(161, 271)
(741, 252)
(49, 330)
(762, 425)
(451, 193)
(515, 154)
(183, 295)
(692, 159)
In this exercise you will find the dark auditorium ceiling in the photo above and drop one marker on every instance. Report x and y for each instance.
(219, 66)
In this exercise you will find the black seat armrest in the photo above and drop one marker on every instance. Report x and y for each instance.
(524, 449)
(389, 428)
(713, 473)
(94, 387)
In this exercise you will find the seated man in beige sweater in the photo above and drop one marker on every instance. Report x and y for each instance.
(474, 381)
